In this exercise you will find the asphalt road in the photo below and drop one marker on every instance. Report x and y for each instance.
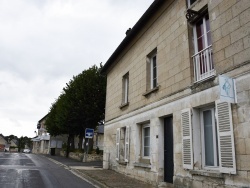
(19, 170)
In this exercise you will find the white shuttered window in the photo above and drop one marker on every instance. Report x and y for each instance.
(216, 134)
(126, 157)
(122, 144)
(225, 138)
(187, 148)
(118, 144)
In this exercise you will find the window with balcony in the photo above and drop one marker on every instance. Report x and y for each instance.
(202, 58)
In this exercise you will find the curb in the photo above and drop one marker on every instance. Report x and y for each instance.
(90, 179)
(81, 175)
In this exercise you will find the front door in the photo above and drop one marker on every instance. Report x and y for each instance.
(168, 150)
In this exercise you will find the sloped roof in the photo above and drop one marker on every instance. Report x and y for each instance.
(132, 33)
(2, 136)
(42, 118)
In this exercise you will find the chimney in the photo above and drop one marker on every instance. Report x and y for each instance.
(127, 32)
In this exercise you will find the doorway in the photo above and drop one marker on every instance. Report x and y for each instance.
(168, 150)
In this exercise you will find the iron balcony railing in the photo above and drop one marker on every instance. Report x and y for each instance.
(203, 64)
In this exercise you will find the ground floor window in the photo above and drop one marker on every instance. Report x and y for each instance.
(207, 138)
(122, 144)
(146, 141)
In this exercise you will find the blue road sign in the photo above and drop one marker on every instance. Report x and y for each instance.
(89, 133)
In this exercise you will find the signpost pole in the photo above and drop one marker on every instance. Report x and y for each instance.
(89, 133)
(87, 150)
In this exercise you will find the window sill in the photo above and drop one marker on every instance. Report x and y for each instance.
(143, 165)
(214, 174)
(123, 105)
(151, 91)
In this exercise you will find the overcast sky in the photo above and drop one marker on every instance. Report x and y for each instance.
(43, 43)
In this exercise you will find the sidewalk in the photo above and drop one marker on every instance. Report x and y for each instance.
(96, 175)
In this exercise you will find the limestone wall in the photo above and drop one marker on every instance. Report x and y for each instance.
(169, 32)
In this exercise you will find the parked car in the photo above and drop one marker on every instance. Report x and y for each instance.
(26, 151)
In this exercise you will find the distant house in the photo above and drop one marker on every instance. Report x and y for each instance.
(99, 137)
(43, 143)
(3, 142)
(42, 140)
(13, 143)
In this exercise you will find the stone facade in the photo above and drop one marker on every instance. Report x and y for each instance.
(41, 143)
(3, 142)
(167, 31)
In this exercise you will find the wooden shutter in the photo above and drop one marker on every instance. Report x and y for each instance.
(187, 147)
(126, 157)
(118, 144)
(225, 137)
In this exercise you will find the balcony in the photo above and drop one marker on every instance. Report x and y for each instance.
(203, 64)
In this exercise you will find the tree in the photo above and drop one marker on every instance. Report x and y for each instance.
(22, 141)
(81, 105)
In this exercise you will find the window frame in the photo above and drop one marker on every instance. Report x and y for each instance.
(122, 140)
(125, 88)
(191, 133)
(215, 139)
(203, 58)
(143, 144)
(189, 3)
(205, 34)
(153, 74)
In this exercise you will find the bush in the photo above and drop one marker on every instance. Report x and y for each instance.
(97, 151)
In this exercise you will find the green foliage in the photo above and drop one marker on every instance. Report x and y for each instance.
(13, 147)
(81, 104)
(97, 150)
(78, 151)
(22, 141)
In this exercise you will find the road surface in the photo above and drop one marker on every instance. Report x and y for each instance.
(19, 170)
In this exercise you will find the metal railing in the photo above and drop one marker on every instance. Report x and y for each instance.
(203, 64)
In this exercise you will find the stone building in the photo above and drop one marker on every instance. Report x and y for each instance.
(41, 143)
(173, 114)
(3, 142)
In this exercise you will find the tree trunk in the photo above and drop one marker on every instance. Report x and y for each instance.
(68, 147)
(72, 142)
(80, 141)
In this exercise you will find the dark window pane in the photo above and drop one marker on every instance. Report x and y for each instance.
(201, 43)
(199, 29)
(146, 151)
(208, 138)
(192, 1)
(146, 141)
(154, 83)
(146, 131)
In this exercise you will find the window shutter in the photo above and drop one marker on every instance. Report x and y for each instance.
(118, 144)
(127, 144)
(187, 147)
(225, 137)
